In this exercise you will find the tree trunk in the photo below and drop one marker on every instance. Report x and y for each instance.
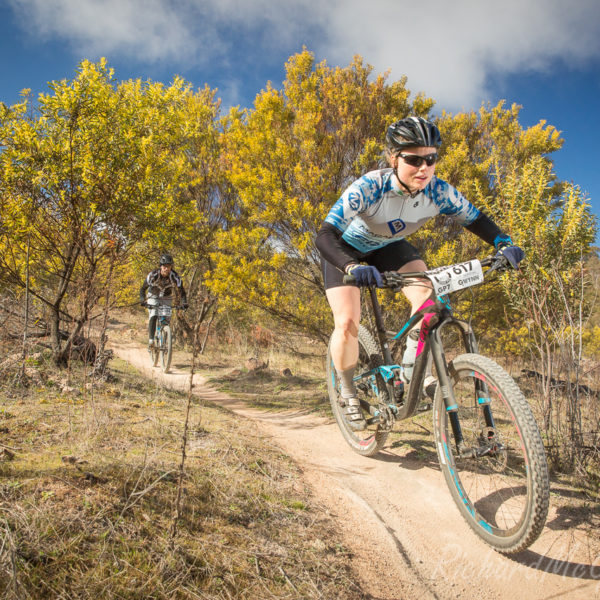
(63, 286)
(26, 308)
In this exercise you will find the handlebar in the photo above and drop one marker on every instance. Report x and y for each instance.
(175, 307)
(395, 280)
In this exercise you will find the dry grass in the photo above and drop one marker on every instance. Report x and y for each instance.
(88, 481)
(270, 390)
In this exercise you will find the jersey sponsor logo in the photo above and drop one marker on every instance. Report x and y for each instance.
(396, 226)
(354, 200)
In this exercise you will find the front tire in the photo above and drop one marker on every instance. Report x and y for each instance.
(369, 441)
(499, 478)
(155, 354)
(166, 348)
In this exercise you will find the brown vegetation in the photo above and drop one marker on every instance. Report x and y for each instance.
(88, 486)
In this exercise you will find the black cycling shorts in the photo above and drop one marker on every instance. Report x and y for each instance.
(389, 258)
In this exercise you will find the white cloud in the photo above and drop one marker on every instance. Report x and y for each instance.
(448, 49)
(148, 30)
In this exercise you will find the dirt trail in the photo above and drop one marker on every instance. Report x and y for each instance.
(397, 517)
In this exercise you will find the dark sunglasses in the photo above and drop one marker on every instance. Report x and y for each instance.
(414, 160)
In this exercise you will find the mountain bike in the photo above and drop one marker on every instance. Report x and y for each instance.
(488, 444)
(163, 337)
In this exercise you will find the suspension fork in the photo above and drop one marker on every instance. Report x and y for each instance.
(445, 384)
(160, 323)
(446, 388)
(164, 321)
(481, 388)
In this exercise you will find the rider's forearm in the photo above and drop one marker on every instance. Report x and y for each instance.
(331, 246)
(488, 231)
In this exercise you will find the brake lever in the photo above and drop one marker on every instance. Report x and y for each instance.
(393, 281)
(501, 265)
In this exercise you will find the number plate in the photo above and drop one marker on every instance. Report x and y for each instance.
(164, 311)
(455, 277)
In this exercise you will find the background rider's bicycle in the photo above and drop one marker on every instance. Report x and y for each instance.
(164, 335)
(488, 443)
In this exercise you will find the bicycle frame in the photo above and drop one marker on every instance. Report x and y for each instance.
(161, 321)
(163, 318)
(436, 314)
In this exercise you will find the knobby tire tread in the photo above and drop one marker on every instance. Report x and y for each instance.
(167, 348)
(537, 509)
(155, 351)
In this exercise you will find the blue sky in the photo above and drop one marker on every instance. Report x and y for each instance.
(541, 54)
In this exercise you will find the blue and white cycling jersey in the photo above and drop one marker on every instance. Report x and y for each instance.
(374, 211)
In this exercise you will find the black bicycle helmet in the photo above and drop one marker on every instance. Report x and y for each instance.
(412, 131)
(166, 259)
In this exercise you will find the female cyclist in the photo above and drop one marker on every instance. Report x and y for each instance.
(364, 232)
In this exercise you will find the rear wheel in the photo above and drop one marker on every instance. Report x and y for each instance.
(370, 440)
(166, 348)
(498, 477)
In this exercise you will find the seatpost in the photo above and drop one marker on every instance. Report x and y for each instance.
(381, 331)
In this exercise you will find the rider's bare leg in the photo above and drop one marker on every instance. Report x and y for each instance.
(417, 294)
(345, 306)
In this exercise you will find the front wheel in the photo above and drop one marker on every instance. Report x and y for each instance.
(155, 350)
(498, 476)
(166, 346)
(369, 441)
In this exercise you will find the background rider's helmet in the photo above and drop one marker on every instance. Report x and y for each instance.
(412, 131)
(166, 259)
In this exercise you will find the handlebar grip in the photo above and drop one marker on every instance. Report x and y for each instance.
(349, 280)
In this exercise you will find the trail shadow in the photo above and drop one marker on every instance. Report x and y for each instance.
(566, 522)
(557, 566)
(181, 366)
(421, 455)
(569, 517)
